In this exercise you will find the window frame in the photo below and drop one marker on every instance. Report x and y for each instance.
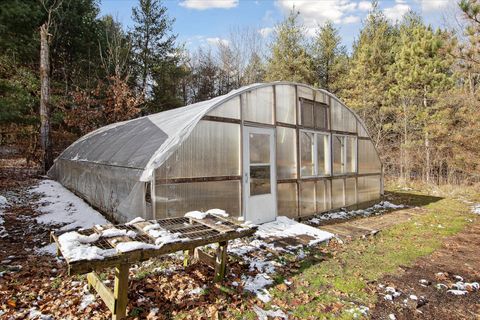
(328, 156)
(343, 154)
(315, 105)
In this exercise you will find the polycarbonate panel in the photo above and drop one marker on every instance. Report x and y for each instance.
(321, 97)
(350, 191)
(350, 156)
(229, 109)
(287, 199)
(286, 153)
(258, 105)
(323, 154)
(368, 188)
(342, 118)
(286, 103)
(213, 149)
(306, 112)
(307, 164)
(338, 150)
(305, 92)
(307, 198)
(338, 200)
(174, 200)
(368, 161)
(322, 195)
(362, 132)
(328, 194)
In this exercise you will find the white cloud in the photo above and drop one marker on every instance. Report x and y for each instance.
(265, 32)
(318, 12)
(351, 19)
(433, 5)
(364, 5)
(217, 41)
(209, 4)
(396, 12)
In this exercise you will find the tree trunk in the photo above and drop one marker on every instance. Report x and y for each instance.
(45, 141)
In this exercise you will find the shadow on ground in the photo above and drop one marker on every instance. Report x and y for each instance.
(410, 199)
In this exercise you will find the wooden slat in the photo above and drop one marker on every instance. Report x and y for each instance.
(204, 257)
(120, 292)
(212, 223)
(84, 266)
(105, 293)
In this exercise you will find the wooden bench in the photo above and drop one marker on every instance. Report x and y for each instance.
(192, 234)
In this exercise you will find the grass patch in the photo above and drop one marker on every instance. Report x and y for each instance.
(329, 288)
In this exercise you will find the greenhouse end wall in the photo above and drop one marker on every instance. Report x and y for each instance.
(324, 158)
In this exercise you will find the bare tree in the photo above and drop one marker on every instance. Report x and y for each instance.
(45, 41)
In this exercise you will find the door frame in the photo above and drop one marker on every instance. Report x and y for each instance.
(247, 129)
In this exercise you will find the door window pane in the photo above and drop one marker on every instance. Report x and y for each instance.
(259, 148)
(307, 144)
(259, 179)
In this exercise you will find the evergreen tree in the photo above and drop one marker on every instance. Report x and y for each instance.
(152, 40)
(367, 82)
(421, 72)
(329, 58)
(289, 59)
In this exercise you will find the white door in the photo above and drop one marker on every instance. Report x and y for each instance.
(259, 175)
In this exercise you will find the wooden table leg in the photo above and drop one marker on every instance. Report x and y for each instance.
(220, 261)
(120, 292)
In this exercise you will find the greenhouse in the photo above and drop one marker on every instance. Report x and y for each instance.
(258, 152)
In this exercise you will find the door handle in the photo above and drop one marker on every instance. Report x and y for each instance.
(246, 177)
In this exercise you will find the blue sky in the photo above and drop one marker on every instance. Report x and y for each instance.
(205, 22)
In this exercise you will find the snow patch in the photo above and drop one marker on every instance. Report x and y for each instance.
(134, 245)
(49, 250)
(87, 300)
(60, 206)
(266, 314)
(476, 208)
(196, 215)
(257, 286)
(284, 227)
(136, 220)
(77, 247)
(218, 212)
(114, 232)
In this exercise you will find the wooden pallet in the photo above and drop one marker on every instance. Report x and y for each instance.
(192, 233)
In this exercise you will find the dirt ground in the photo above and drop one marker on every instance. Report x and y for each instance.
(458, 256)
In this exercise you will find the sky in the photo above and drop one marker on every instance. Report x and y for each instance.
(207, 22)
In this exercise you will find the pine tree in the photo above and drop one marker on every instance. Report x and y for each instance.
(152, 40)
(367, 82)
(421, 72)
(289, 59)
(329, 58)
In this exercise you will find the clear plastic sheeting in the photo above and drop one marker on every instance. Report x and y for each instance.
(307, 155)
(368, 161)
(307, 198)
(287, 199)
(286, 153)
(229, 109)
(174, 200)
(212, 149)
(323, 195)
(368, 188)
(286, 103)
(258, 105)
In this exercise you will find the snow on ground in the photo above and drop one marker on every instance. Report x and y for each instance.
(3, 205)
(61, 207)
(476, 208)
(284, 227)
(377, 209)
(87, 300)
